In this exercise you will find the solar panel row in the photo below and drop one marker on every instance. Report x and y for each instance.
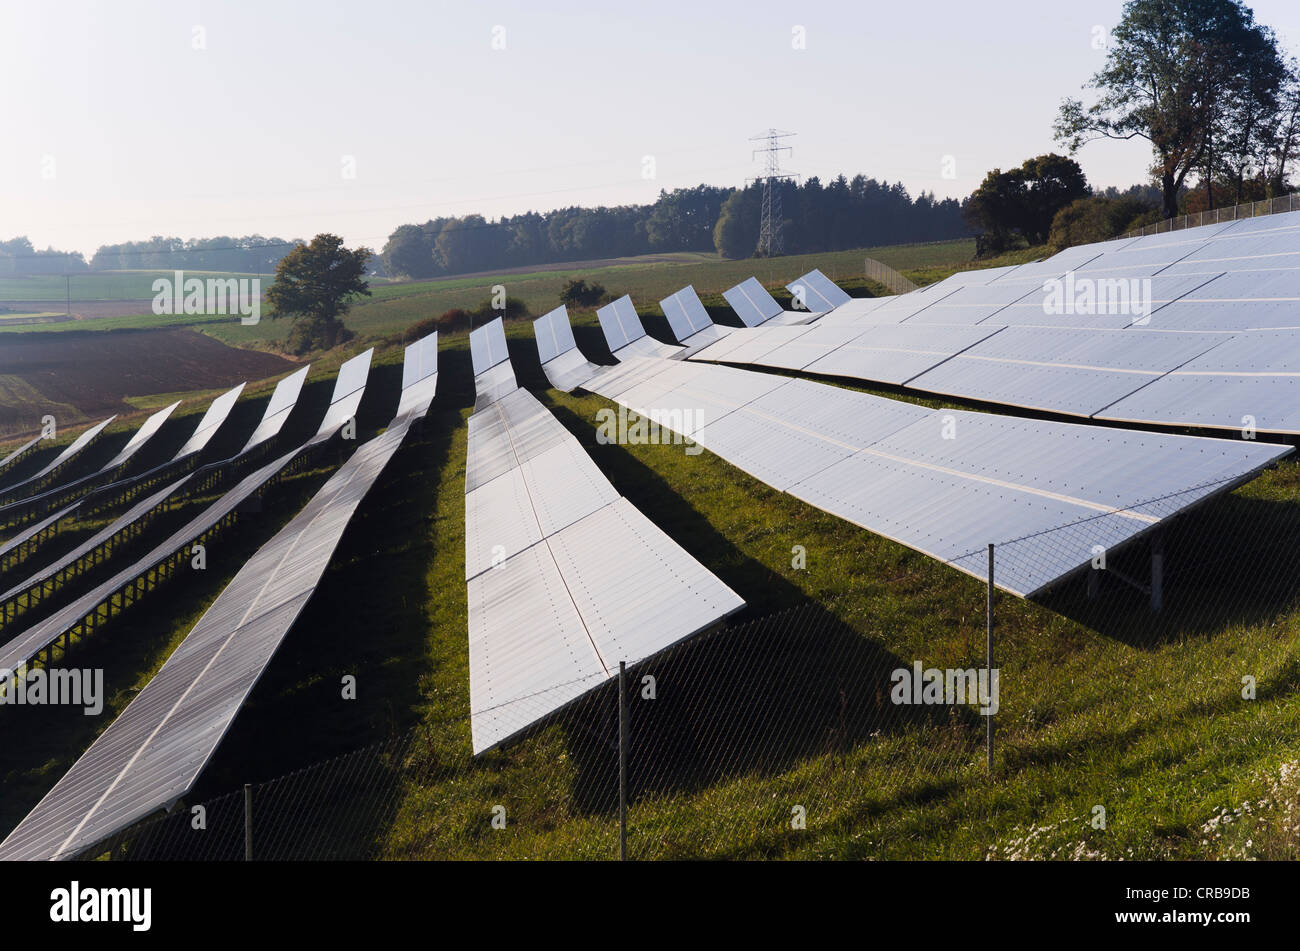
(282, 401)
(1210, 337)
(945, 483)
(154, 752)
(23, 648)
(565, 578)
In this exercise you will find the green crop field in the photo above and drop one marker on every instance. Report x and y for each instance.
(98, 285)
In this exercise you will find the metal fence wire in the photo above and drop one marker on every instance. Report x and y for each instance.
(1251, 209)
(711, 726)
(784, 736)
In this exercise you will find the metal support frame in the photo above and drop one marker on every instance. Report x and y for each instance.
(622, 761)
(988, 660)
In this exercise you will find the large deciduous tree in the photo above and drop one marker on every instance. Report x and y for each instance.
(314, 285)
(1021, 203)
(1198, 79)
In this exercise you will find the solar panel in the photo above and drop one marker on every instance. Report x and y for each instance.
(1101, 300)
(420, 360)
(487, 346)
(1236, 301)
(562, 362)
(647, 346)
(15, 454)
(529, 652)
(1068, 259)
(902, 307)
(1079, 372)
(858, 308)
(972, 304)
(419, 376)
(686, 315)
(797, 352)
(997, 479)
(749, 345)
(554, 334)
(140, 437)
(817, 292)
(278, 408)
(1283, 221)
(620, 323)
(641, 593)
(751, 302)
(1249, 381)
(349, 387)
(217, 413)
(895, 353)
(66, 455)
(560, 570)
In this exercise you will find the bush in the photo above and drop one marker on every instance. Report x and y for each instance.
(460, 319)
(307, 335)
(1093, 219)
(581, 294)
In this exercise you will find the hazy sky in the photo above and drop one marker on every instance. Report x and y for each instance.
(128, 119)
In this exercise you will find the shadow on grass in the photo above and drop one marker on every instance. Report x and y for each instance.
(759, 696)
(1232, 562)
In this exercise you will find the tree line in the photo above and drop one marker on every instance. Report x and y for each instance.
(843, 214)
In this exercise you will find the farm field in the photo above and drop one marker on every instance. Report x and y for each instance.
(394, 306)
(79, 376)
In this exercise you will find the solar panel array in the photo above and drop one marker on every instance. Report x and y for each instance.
(281, 404)
(565, 578)
(21, 649)
(66, 455)
(1211, 338)
(18, 453)
(154, 752)
(943, 482)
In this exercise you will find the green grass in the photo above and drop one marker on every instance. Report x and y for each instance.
(392, 307)
(100, 285)
(1103, 703)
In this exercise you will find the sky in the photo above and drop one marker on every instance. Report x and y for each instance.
(194, 119)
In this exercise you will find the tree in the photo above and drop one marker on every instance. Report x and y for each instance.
(1180, 74)
(314, 285)
(736, 232)
(1021, 203)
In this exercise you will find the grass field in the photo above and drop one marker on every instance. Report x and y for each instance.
(392, 307)
(99, 285)
(1103, 703)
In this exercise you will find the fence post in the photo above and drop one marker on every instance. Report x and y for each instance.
(622, 761)
(248, 822)
(988, 662)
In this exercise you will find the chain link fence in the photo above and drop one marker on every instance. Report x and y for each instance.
(1251, 209)
(737, 744)
(802, 735)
